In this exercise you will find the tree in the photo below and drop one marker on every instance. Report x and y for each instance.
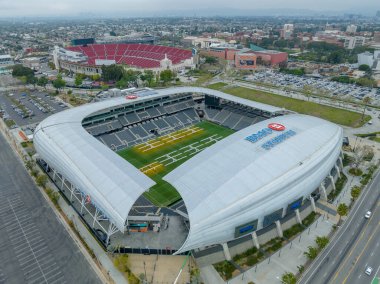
(321, 242)
(355, 192)
(211, 60)
(42, 81)
(59, 83)
(32, 80)
(112, 72)
(166, 76)
(311, 253)
(335, 57)
(41, 180)
(95, 77)
(366, 102)
(342, 210)
(364, 67)
(288, 278)
(78, 79)
(308, 90)
(18, 71)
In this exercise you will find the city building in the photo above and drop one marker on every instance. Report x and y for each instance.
(262, 56)
(202, 42)
(376, 37)
(352, 42)
(5, 61)
(245, 59)
(351, 29)
(133, 38)
(287, 31)
(370, 59)
(34, 63)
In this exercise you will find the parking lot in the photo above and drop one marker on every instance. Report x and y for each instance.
(347, 91)
(26, 108)
(35, 259)
(34, 246)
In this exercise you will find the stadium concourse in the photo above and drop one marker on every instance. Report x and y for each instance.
(179, 169)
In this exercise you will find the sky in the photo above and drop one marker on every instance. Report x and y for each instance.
(130, 8)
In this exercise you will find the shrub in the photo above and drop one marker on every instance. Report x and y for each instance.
(321, 242)
(292, 231)
(309, 219)
(121, 263)
(132, 279)
(41, 180)
(311, 253)
(225, 269)
(288, 278)
(355, 171)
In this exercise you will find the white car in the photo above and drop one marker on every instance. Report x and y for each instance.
(368, 214)
(368, 270)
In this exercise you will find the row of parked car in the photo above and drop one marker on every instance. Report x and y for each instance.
(21, 109)
(299, 82)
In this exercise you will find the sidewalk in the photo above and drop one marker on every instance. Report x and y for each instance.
(291, 256)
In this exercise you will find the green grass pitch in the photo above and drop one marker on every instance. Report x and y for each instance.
(164, 194)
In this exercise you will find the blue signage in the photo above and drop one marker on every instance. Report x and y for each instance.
(246, 229)
(259, 135)
(278, 139)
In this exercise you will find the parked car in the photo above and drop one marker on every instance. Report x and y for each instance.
(368, 270)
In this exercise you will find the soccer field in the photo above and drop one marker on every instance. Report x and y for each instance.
(156, 164)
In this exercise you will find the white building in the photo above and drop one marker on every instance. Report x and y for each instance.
(366, 58)
(5, 61)
(352, 42)
(351, 29)
(287, 31)
(62, 54)
(372, 60)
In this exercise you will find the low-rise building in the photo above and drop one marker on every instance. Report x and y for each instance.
(352, 42)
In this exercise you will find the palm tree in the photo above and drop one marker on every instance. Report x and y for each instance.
(342, 210)
(366, 101)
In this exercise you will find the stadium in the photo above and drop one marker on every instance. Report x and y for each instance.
(180, 169)
(88, 59)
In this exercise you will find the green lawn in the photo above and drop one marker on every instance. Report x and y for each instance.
(164, 194)
(217, 86)
(336, 115)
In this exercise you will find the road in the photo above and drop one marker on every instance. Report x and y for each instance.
(356, 245)
(34, 246)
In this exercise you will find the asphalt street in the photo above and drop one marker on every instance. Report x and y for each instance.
(34, 246)
(355, 246)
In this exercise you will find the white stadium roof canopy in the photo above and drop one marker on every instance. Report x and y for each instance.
(112, 183)
(235, 181)
(225, 185)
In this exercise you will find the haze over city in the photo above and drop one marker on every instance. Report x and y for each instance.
(130, 8)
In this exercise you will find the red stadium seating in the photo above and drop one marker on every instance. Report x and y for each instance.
(138, 55)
